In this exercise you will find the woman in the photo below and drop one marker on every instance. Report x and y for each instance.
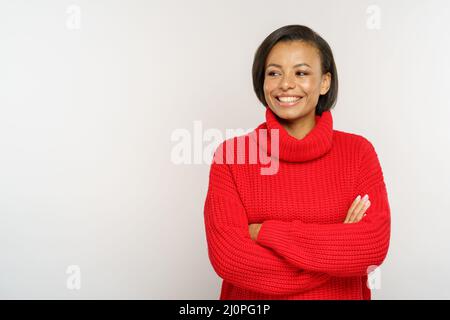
(306, 230)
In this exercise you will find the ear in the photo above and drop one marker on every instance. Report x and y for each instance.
(325, 83)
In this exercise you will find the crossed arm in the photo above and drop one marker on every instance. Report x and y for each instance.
(342, 249)
(278, 257)
(355, 213)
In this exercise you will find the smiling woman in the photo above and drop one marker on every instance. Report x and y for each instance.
(308, 230)
(294, 73)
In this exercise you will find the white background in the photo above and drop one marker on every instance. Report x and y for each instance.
(87, 114)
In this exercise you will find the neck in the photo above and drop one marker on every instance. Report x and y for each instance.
(317, 136)
(300, 127)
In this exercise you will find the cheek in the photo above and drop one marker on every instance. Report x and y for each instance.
(268, 87)
(310, 86)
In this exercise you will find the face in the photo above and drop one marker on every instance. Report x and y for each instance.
(294, 81)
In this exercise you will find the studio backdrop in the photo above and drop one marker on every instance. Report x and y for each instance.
(110, 111)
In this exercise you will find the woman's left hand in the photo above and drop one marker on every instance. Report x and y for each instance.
(253, 229)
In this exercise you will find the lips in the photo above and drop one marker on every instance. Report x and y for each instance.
(288, 99)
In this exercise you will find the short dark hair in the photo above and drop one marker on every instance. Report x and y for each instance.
(292, 33)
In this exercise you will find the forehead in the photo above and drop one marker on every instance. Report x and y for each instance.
(293, 52)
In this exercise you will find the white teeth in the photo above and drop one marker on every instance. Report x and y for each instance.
(288, 99)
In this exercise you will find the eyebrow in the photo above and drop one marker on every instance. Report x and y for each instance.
(297, 65)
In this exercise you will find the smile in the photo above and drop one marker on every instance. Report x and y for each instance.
(288, 101)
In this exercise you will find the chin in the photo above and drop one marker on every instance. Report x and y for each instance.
(289, 113)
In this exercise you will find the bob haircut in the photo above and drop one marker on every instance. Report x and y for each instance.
(301, 33)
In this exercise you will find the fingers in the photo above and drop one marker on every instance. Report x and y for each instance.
(352, 207)
(357, 209)
(253, 229)
(362, 213)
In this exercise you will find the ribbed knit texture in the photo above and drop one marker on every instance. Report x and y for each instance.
(303, 250)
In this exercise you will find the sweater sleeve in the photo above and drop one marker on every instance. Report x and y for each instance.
(237, 258)
(338, 249)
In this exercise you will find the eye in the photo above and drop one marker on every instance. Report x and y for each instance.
(271, 73)
(301, 73)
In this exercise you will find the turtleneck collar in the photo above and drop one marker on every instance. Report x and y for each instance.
(315, 144)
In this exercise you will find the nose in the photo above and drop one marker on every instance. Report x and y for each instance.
(287, 82)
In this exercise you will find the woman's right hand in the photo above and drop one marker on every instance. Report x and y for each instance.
(357, 209)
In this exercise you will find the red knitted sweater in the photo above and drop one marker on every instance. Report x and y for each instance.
(303, 249)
